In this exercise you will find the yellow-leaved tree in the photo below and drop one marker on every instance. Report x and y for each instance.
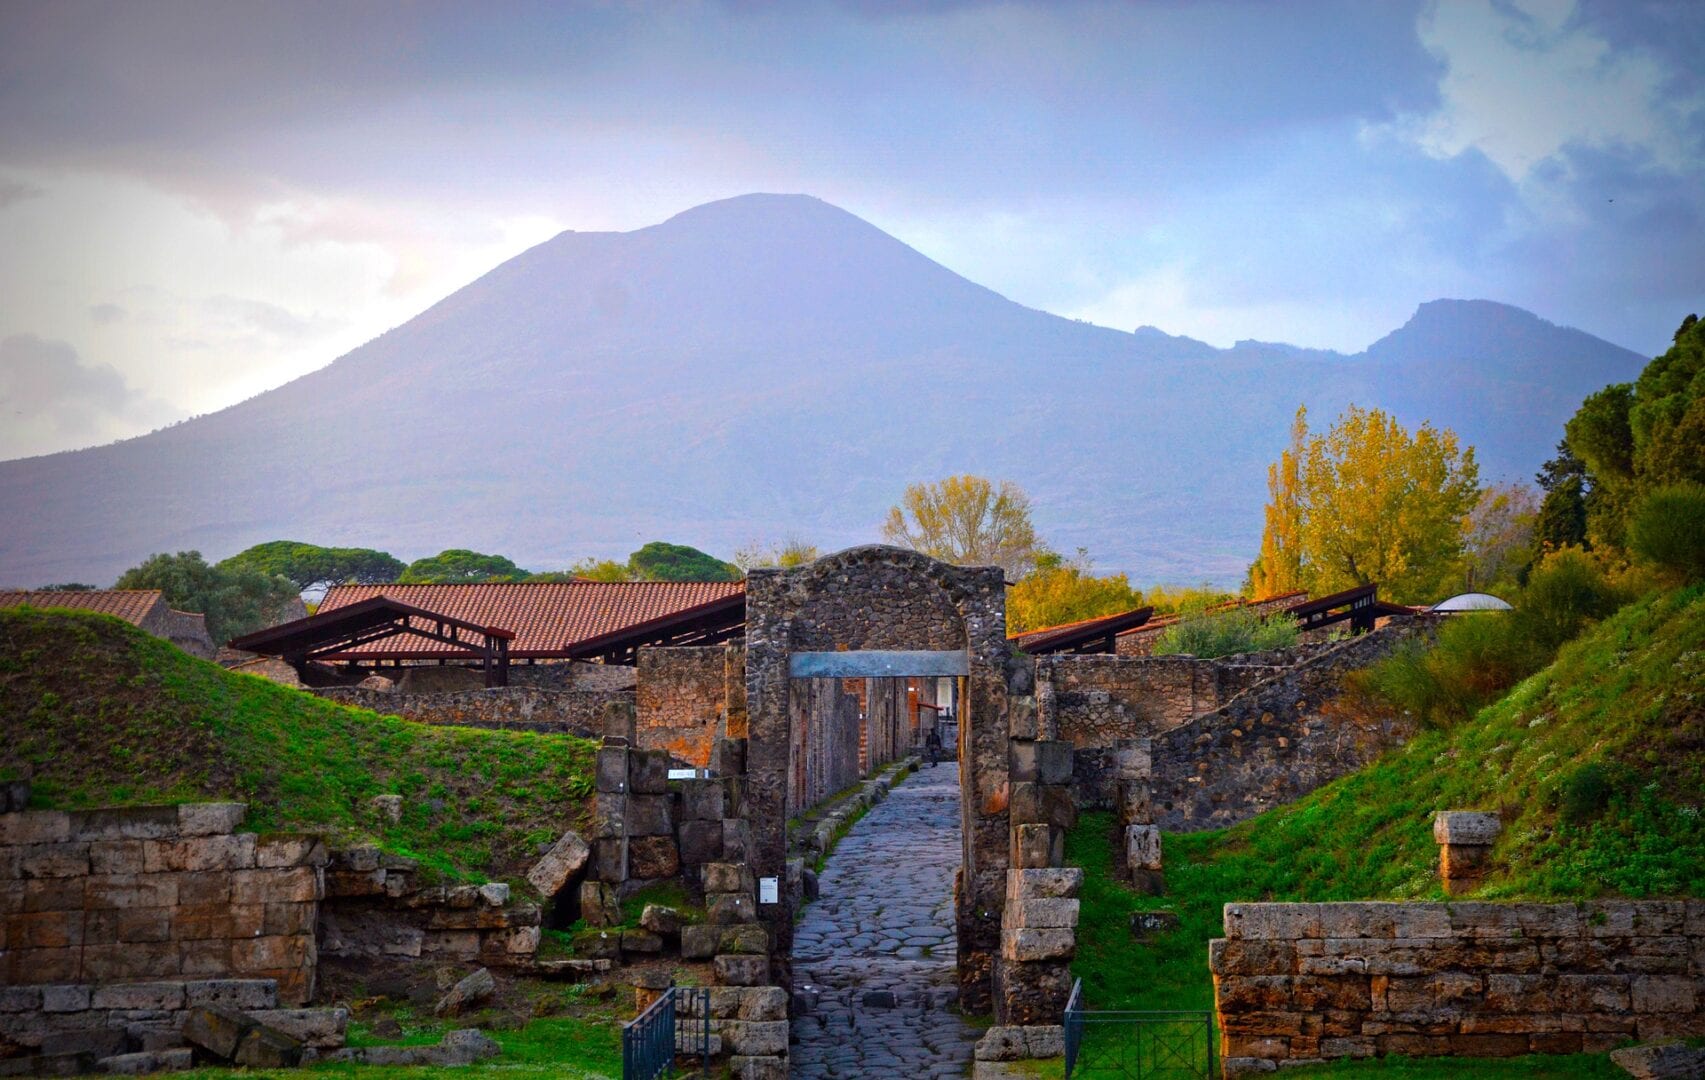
(968, 521)
(1060, 590)
(1368, 502)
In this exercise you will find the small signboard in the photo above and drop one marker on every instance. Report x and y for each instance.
(769, 890)
(689, 774)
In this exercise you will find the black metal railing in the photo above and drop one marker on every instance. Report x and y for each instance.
(648, 1041)
(651, 1040)
(1136, 1044)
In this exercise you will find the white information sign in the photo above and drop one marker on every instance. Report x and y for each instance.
(769, 890)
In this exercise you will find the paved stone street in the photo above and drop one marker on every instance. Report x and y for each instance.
(876, 952)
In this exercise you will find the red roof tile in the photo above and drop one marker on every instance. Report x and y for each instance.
(131, 605)
(546, 617)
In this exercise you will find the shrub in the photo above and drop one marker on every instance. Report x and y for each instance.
(1226, 633)
(1564, 593)
(1668, 530)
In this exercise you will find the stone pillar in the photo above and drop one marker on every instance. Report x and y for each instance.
(1465, 847)
(1133, 768)
(1039, 915)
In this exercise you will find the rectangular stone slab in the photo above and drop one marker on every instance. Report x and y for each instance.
(877, 664)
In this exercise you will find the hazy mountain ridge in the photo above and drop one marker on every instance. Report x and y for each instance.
(763, 366)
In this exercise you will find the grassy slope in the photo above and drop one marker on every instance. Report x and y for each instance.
(1627, 700)
(108, 715)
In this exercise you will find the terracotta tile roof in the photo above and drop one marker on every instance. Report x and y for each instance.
(131, 605)
(546, 617)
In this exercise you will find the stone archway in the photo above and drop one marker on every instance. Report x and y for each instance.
(882, 605)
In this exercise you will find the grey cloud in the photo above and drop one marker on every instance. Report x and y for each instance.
(16, 191)
(52, 399)
(259, 316)
(107, 314)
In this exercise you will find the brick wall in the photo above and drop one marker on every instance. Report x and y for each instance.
(156, 893)
(508, 708)
(1299, 982)
(682, 701)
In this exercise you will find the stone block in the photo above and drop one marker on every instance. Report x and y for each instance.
(240, 994)
(728, 877)
(724, 909)
(144, 1062)
(64, 860)
(46, 930)
(319, 1028)
(651, 815)
(18, 999)
(286, 850)
(1038, 846)
(494, 894)
(611, 770)
(762, 1067)
(653, 857)
(35, 827)
(1142, 847)
(1043, 882)
(701, 842)
(1665, 994)
(468, 992)
(750, 1038)
(1040, 913)
(610, 860)
(1135, 803)
(648, 772)
(1466, 827)
(125, 823)
(618, 722)
(154, 995)
(745, 938)
(609, 816)
(700, 942)
(703, 800)
(741, 969)
(599, 904)
(129, 961)
(61, 999)
(1046, 804)
(728, 757)
(767, 1003)
(215, 1029)
(736, 839)
(1133, 759)
(46, 965)
(660, 919)
(1027, 945)
(642, 942)
(210, 819)
(264, 1048)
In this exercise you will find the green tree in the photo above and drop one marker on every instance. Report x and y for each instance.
(1376, 503)
(313, 567)
(235, 601)
(1635, 438)
(601, 570)
(663, 561)
(1562, 520)
(1668, 530)
(968, 521)
(1060, 590)
(459, 566)
(69, 586)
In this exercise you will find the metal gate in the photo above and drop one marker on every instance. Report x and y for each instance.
(1135, 1044)
(651, 1040)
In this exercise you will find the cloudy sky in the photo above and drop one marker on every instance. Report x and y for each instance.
(199, 201)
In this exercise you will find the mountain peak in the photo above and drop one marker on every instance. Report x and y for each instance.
(1449, 329)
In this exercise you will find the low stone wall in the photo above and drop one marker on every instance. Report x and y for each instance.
(74, 1026)
(375, 907)
(1303, 982)
(1275, 742)
(572, 675)
(156, 893)
(506, 708)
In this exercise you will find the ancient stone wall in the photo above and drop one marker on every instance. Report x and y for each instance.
(573, 675)
(375, 907)
(156, 894)
(882, 598)
(1274, 743)
(826, 737)
(1302, 982)
(682, 701)
(506, 708)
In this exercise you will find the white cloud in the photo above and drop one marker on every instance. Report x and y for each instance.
(51, 399)
(1524, 82)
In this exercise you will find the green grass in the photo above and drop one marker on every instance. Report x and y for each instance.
(1597, 764)
(107, 715)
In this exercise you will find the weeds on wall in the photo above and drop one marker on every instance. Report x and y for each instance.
(1208, 634)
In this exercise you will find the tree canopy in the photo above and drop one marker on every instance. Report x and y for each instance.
(1060, 590)
(1367, 501)
(1562, 520)
(235, 601)
(1500, 537)
(663, 561)
(459, 566)
(1637, 437)
(782, 554)
(313, 567)
(968, 521)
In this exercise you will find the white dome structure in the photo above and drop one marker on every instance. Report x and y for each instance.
(1470, 601)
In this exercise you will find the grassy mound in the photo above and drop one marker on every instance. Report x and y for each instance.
(107, 715)
(1597, 764)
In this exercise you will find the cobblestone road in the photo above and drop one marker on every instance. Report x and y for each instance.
(876, 952)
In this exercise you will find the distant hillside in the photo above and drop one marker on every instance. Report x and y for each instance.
(762, 367)
(106, 715)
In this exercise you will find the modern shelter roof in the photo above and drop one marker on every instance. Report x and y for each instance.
(131, 605)
(1472, 601)
(301, 637)
(1084, 636)
(550, 620)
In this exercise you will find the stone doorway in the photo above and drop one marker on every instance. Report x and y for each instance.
(880, 613)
